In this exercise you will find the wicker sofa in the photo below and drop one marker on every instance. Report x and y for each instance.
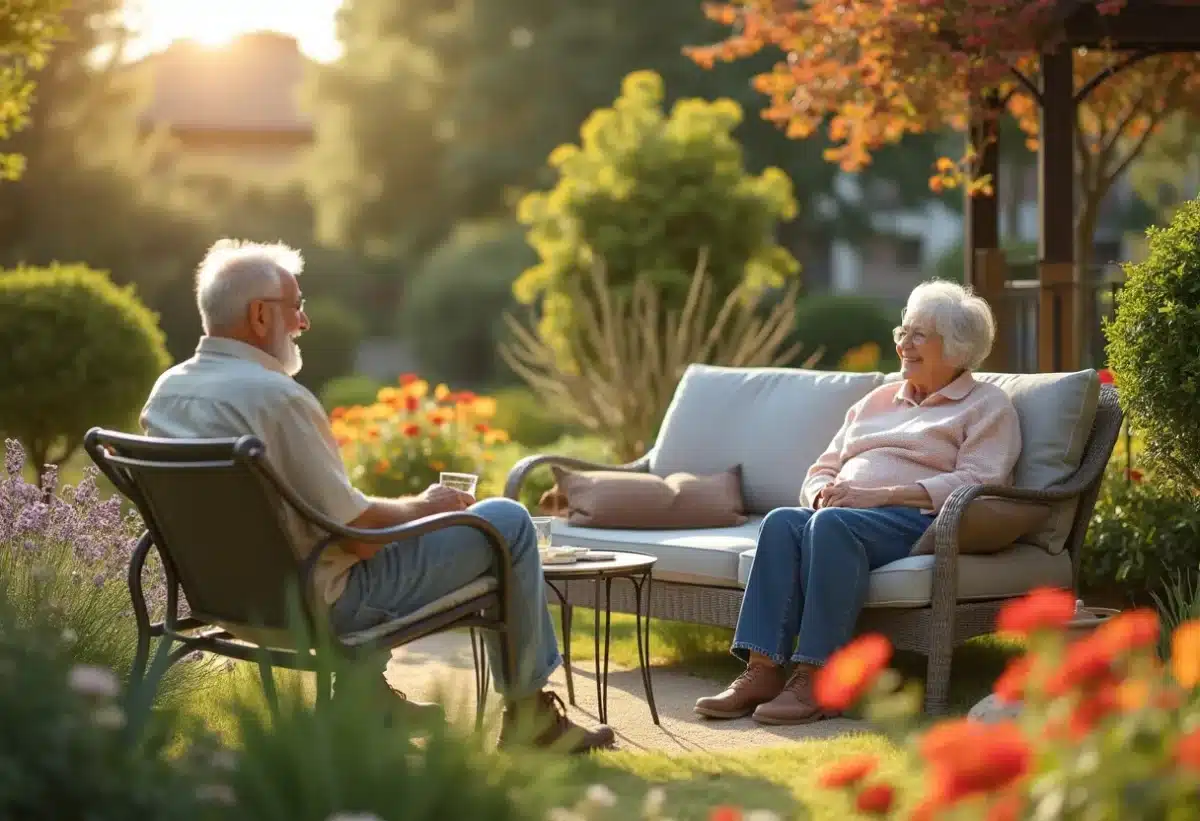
(774, 422)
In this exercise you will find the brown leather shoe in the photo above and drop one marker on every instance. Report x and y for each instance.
(795, 704)
(757, 684)
(542, 721)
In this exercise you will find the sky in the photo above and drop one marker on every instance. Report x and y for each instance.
(216, 22)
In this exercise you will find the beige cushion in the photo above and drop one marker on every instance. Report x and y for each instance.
(687, 556)
(774, 422)
(909, 581)
(990, 524)
(608, 499)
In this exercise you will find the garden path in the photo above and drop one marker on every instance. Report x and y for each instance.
(442, 663)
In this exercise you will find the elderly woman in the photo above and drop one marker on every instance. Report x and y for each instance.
(899, 454)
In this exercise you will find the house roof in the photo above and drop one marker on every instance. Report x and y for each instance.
(250, 85)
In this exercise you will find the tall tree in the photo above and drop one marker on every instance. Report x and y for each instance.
(869, 72)
(28, 30)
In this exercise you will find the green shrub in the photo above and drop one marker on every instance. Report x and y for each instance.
(591, 448)
(330, 345)
(1143, 535)
(838, 323)
(527, 419)
(1154, 346)
(644, 194)
(454, 308)
(345, 391)
(78, 352)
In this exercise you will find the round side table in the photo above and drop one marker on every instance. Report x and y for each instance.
(638, 568)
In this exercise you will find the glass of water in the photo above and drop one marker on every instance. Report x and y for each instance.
(460, 481)
(542, 525)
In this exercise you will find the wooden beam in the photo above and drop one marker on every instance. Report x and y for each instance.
(1141, 24)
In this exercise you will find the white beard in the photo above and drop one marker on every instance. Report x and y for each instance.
(285, 349)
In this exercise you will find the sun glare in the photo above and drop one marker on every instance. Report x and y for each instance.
(217, 23)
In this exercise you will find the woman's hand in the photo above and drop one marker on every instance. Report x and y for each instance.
(844, 494)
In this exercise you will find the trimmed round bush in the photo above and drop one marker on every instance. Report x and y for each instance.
(454, 309)
(1154, 346)
(838, 323)
(78, 351)
(330, 344)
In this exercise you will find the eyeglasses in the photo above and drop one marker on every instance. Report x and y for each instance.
(298, 304)
(915, 337)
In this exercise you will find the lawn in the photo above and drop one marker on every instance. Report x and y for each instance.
(779, 778)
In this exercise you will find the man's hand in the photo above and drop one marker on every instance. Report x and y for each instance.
(844, 494)
(442, 499)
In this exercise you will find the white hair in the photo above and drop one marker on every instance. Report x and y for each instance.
(234, 272)
(963, 320)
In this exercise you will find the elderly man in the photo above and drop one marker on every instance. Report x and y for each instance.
(240, 382)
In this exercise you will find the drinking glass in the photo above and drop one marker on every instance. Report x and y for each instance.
(542, 525)
(459, 481)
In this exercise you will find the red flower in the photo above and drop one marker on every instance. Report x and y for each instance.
(876, 799)
(969, 758)
(851, 671)
(1128, 631)
(1106, 376)
(407, 379)
(847, 771)
(412, 430)
(1187, 751)
(1008, 807)
(337, 413)
(1134, 475)
(1045, 608)
(411, 403)
(1087, 664)
(1010, 687)
(725, 812)
(481, 427)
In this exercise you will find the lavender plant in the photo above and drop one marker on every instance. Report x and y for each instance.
(64, 555)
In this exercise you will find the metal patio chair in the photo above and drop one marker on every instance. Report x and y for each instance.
(213, 511)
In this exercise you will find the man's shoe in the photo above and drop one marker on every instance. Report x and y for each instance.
(541, 721)
(758, 684)
(795, 704)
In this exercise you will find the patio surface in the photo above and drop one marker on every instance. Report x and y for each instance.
(444, 662)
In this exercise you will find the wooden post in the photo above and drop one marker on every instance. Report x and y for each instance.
(981, 221)
(992, 274)
(1060, 326)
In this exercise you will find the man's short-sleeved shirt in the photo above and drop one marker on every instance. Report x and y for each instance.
(230, 388)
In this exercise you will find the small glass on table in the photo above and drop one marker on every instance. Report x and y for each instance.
(542, 525)
(465, 482)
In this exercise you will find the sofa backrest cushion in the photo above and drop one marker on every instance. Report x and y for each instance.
(774, 422)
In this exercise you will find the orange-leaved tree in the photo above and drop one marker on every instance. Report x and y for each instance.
(870, 72)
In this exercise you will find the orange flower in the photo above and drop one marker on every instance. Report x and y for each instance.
(876, 799)
(1045, 608)
(1185, 654)
(851, 671)
(969, 758)
(725, 812)
(1091, 709)
(438, 466)
(1128, 631)
(1087, 663)
(847, 771)
(438, 418)
(382, 466)
(1010, 687)
(410, 430)
(407, 379)
(481, 427)
(1187, 751)
(465, 398)
(337, 413)
(372, 432)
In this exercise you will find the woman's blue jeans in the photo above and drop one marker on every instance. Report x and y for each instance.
(809, 579)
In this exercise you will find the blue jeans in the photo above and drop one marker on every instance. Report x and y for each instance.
(404, 576)
(809, 577)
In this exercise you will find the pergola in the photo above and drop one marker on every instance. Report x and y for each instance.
(1142, 29)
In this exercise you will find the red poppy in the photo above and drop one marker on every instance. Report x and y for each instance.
(1045, 608)
(851, 671)
(411, 430)
(1187, 751)
(877, 799)
(1129, 631)
(1010, 687)
(969, 758)
(725, 812)
(1106, 376)
(411, 403)
(847, 771)
(407, 379)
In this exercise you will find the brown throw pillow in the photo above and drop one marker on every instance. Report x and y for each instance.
(612, 499)
(989, 525)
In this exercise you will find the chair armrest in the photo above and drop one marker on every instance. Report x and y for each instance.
(521, 470)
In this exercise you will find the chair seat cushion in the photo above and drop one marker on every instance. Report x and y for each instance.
(909, 581)
(688, 556)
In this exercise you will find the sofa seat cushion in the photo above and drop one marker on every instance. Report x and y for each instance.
(774, 422)
(909, 581)
(689, 556)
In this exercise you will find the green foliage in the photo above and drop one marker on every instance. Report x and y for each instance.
(1154, 346)
(74, 745)
(1143, 534)
(592, 448)
(79, 351)
(838, 323)
(529, 421)
(643, 194)
(453, 312)
(951, 265)
(31, 29)
(344, 391)
(330, 344)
